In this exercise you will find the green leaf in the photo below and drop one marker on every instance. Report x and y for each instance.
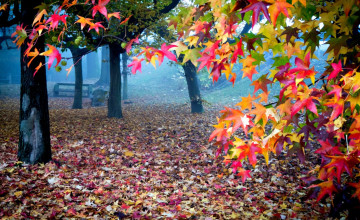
(258, 57)
(280, 61)
(288, 129)
(308, 12)
(207, 17)
(200, 2)
(336, 44)
(192, 55)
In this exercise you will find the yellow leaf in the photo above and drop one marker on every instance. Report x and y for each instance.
(129, 153)
(192, 40)
(18, 193)
(283, 206)
(235, 215)
(138, 202)
(339, 122)
(180, 47)
(302, 2)
(153, 61)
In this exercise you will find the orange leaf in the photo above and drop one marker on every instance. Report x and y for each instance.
(246, 102)
(39, 16)
(124, 21)
(249, 72)
(84, 21)
(37, 68)
(261, 83)
(115, 14)
(280, 6)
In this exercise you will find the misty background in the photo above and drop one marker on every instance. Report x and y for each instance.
(163, 84)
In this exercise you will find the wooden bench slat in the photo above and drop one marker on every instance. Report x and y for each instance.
(87, 89)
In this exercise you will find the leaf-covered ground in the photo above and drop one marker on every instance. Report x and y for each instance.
(155, 163)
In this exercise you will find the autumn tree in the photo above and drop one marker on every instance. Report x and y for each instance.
(34, 127)
(313, 112)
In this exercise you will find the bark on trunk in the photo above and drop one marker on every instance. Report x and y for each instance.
(77, 60)
(114, 103)
(105, 67)
(193, 87)
(34, 127)
(125, 72)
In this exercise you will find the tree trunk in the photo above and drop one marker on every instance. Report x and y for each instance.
(193, 87)
(125, 72)
(77, 60)
(105, 67)
(114, 103)
(34, 127)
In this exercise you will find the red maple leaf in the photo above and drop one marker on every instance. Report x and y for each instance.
(256, 7)
(129, 44)
(342, 163)
(326, 187)
(308, 103)
(52, 53)
(244, 174)
(100, 7)
(54, 20)
(238, 51)
(136, 64)
(96, 26)
(212, 48)
(205, 60)
(219, 132)
(217, 68)
(337, 92)
(337, 105)
(357, 187)
(337, 68)
(327, 149)
(230, 28)
(236, 165)
(250, 152)
(164, 51)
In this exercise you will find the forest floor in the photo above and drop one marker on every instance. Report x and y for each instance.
(155, 163)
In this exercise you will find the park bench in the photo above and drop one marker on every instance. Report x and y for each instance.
(68, 89)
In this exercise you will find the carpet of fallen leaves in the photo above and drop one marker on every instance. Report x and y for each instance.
(155, 163)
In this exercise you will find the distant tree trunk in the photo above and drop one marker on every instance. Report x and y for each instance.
(114, 103)
(92, 65)
(125, 72)
(77, 60)
(193, 86)
(105, 67)
(34, 127)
